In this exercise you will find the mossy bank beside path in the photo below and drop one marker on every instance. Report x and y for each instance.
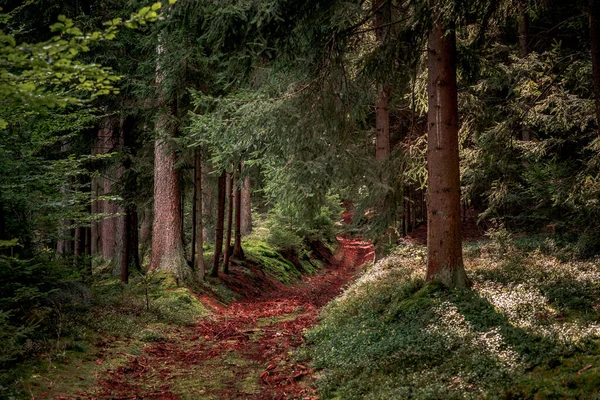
(240, 351)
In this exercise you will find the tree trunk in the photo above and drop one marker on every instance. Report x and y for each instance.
(594, 10)
(88, 250)
(126, 246)
(135, 239)
(199, 226)
(219, 225)
(208, 226)
(167, 244)
(246, 208)
(382, 113)
(229, 223)
(523, 21)
(79, 250)
(444, 251)
(238, 253)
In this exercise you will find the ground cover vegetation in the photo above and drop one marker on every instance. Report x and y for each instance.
(181, 183)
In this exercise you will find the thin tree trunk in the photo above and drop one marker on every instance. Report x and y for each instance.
(444, 251)
(382, 113)
(194, 224)
(523, 22)
(208, 219)
(135, 239)
(246, 207)
(594, 10)
(227, 250)
(238, 253)
(219, 225)
(199, 225)
(126, 246)
(79, 250)
(88, 250)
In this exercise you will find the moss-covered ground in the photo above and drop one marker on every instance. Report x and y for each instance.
(528, 328)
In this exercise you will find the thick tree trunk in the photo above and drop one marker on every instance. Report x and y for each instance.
(219, 225)
(246, 208)
(199, 225)
(594, 10)
(238, 253)
(227, 250)
(167, 248)
(167, 243)
(444, 251)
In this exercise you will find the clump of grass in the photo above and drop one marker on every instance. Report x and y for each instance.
(528, 327)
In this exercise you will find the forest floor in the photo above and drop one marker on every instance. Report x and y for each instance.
(242, 350)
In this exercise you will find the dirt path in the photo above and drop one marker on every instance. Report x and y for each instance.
(242, 351)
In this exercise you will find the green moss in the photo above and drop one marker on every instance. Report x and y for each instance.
(271, 261)
(527, 329)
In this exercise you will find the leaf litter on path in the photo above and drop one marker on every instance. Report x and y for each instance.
(242, 351)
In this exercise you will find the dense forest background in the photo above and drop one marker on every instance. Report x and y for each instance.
(146, 146)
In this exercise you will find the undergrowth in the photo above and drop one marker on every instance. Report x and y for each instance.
(528, 328)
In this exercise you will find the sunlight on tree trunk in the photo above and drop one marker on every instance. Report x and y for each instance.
(444, 252)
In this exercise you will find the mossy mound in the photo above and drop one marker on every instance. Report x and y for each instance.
(517, 333)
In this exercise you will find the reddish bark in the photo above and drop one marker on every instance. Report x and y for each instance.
(124, 273)
(246, 208)
(219, 225)
(238, 253)
(444, 251)
(167, 249)
(227, 250)
(199, 237)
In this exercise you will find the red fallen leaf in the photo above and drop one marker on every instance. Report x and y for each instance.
(206, 337)
(301, 366)
(264, 376)
(270, 367)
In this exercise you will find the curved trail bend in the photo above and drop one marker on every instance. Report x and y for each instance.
(241, 351)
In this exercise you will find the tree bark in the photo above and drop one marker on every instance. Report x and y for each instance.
(135, 239)
(246, 208)
(594, 14)
(167, 243)
(523, 22)
(523, 27)
(199, 225)
(227, 250)
(444, 246)
(167, 248)
(125, 253)
(219, 225)
(382, 113)
(238, 253)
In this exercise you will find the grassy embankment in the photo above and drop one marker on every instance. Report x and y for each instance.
(528, 328)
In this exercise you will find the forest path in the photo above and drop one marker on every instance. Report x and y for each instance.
(241, 351)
